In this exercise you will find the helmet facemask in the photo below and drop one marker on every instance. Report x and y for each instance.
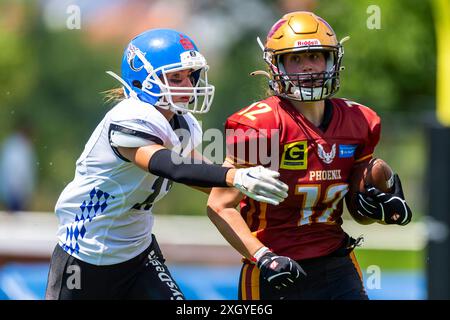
(306, 86)
(201, 93)
(302, 32)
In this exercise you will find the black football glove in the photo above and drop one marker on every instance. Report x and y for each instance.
(279, 271)
(390, 208)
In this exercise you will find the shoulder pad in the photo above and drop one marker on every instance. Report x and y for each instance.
(349, 105)
(258, 115)
(130, 109)
(140, 122)
(195, 130)
(125, 137)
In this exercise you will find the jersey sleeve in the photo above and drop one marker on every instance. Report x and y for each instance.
(249, 139)
(192, 134)
(129, 134)
(366, 150)
(136, 125)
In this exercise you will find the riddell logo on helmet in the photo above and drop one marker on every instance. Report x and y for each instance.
(307, 42)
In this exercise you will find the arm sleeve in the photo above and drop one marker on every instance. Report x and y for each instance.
(169, 165)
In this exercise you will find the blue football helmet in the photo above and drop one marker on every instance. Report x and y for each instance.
(154, 53)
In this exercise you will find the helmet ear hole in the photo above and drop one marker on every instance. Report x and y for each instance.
(137, 84)
(196, 76)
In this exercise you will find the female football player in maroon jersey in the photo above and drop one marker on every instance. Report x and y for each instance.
(298, 250)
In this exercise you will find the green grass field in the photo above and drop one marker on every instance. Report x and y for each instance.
(391, 259)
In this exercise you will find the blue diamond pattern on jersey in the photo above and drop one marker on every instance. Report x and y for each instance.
(97, 203)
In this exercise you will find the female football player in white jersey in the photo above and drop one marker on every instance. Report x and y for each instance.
(129, 163)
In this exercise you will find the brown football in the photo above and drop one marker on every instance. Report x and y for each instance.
(376, 172)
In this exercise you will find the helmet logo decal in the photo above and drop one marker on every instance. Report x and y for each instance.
(327, 24)
(307, 42)
(186, 43)
(275, 27)
(131, 54)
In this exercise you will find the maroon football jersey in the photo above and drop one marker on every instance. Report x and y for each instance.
(316, 165)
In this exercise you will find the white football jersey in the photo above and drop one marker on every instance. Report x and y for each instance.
(105, 213)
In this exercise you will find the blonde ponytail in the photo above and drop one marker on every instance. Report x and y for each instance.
(113, 95)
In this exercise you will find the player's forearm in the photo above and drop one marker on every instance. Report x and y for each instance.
(234, 229)
(229, 178)
(165, 163)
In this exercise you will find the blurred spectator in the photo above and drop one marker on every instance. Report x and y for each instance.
(17, 168)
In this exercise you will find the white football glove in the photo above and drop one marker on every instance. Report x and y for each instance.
(261, 184)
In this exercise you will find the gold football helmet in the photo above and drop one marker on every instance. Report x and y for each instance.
(303, 31)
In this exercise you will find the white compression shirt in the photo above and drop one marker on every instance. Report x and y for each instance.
(105, 213)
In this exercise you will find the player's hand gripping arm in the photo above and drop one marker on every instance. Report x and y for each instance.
(277, 270)
(258, 183)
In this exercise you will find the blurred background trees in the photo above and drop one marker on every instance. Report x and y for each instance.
(54, 76)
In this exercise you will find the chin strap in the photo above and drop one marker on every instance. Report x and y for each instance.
(260, 43)
(344, 39)
(260, 73)
(342, 68)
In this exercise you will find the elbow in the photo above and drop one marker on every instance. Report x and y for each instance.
(214, 207)
(222, 202)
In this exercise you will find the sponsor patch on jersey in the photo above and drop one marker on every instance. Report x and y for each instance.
(323, 175)
(347, 150)
(307, 42)
(295, 156)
